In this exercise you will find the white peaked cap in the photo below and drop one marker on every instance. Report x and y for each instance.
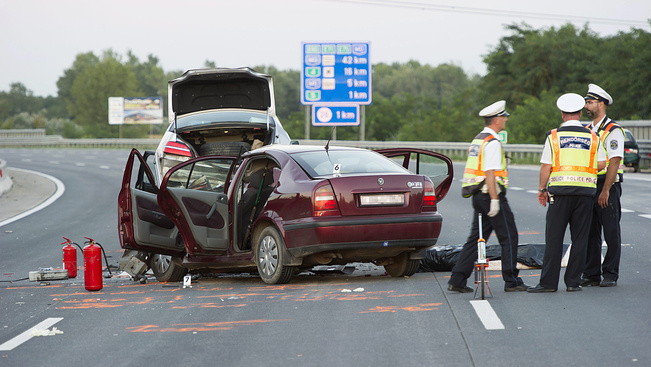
(596, 92)
(496, 109)
(570, 103)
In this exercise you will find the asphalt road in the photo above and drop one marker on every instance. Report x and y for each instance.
(364, 318)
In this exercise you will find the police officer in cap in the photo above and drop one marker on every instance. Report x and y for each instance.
(485, 179)
(568, 181)
(607, 207)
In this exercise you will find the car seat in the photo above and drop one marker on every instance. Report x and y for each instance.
(254, 198)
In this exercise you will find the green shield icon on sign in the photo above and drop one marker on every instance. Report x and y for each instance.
(312, 95)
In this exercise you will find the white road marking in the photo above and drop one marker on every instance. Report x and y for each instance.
(487, 315)
(627, 210)
(104, 167)
(516, 188)
(25, 336)
(80, 164)
(61, 188)
(647, 216)
(533, 192)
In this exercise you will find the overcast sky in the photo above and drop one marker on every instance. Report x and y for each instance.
(39, 39)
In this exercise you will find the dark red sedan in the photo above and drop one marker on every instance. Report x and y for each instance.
(285, 208)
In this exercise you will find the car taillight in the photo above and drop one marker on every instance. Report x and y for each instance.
(630, 150)
(181, 149)
(324, 202)
(429, 198)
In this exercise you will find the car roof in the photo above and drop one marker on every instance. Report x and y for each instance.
(298, 148)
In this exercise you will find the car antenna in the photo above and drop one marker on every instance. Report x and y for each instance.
(332, 132)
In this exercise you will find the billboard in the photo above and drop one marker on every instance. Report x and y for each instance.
(135, 110)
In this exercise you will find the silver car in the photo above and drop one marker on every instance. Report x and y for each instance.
(218, 111)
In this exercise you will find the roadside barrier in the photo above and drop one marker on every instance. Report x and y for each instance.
(518, 153)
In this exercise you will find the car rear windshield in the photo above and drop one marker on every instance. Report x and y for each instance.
(320, 164)
(234, 117)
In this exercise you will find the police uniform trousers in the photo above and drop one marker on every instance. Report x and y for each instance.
(575, 210)
(608, 219)
(507, 235)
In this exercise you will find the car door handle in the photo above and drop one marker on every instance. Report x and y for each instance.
(220, 198)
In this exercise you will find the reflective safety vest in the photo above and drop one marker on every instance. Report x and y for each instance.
(574, 161)
(603, 131)
(474, 175)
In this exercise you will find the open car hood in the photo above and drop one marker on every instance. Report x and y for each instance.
(220, 88)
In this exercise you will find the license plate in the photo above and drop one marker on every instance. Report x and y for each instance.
(382, 199)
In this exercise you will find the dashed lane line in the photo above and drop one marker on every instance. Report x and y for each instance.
(487, 315)
(25, 336)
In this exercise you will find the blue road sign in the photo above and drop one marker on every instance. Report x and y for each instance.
(336, 72)
(339, 115)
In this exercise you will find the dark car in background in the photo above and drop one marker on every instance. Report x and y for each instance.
(281, 209)
(631, 151)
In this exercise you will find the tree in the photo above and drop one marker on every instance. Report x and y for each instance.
(91, 88)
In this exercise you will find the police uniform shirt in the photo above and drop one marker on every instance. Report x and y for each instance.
(492, 152)
(546, 157)
(614, 143)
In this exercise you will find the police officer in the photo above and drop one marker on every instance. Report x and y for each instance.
(485, 179)
(569, 163)
(607, 208)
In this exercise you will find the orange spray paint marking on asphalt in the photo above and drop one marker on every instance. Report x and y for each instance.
(195, 327)
(417, 308)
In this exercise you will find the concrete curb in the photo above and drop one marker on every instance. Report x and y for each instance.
(5, 180)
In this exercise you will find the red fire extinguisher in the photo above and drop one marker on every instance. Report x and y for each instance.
(70, 257)
(93, 265)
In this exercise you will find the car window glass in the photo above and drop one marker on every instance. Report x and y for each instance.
(206, 118)
(205, 175)
(323, 164)
(434, 168)
(629, 136)
(423, 164)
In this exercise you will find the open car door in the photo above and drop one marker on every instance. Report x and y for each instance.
(193, 195)
(142, 225)
(436, 166)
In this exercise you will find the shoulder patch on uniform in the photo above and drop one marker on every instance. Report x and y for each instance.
(613, 144)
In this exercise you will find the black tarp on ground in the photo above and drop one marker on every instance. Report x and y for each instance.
(443, 258)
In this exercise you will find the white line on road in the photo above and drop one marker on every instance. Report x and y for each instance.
(647, 216)
(487, 315)
(25, 336)
(60, 189)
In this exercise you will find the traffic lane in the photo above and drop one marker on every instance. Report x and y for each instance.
(86, 209)
(313, 320)
(529, 215)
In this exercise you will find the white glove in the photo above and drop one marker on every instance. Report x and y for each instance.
(495, 207)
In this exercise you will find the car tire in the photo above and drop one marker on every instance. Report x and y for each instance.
(402, 266)
(268, 251)
(230, 148)
(166, 269)
(636, 167)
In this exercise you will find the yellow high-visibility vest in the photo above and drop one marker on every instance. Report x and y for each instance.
(603, 131)
(474, 174)
(574, 161)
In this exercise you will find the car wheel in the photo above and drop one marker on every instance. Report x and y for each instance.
(636, 167)
(230, 148)
(166, 269)
(269, 247)
(402, 266)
